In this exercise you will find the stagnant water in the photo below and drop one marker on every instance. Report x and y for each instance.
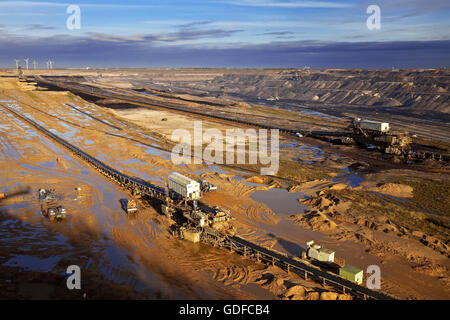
(32, 243)
(281, 201)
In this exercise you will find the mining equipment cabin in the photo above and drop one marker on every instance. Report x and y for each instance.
(378, 134)
(183, 195)
(184, 186)
(50, 205)
(319, 253)
(129, 206)
(352, 273)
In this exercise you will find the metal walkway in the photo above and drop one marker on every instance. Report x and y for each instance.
(304, 270)
(270, 257)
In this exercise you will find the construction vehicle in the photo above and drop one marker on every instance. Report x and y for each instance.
(129, 206)
(377, 135)
(202, 215)
(205, 186)
(51, 207)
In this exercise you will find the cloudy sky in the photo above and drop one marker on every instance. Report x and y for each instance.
(227, 33)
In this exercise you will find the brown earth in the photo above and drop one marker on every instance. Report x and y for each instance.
(412, 261)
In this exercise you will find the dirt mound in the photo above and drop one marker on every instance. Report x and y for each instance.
(311, 187)
(435, 244)
(317, 202)
(432, 270)
(345, 297)
(316, 221)
(264, 180)
(339, 186)
(329, 296)
(313, 296)
(221, 176)
(394, 189)
(257, 179)
(359, 166)
(296, 293)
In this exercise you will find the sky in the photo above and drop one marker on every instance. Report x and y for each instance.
(226, 33)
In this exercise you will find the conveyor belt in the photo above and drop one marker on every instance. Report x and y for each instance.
(131, 183)
(301, 268)
(98, 92)
(239, 244)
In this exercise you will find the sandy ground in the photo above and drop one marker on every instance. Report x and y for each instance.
(134, 252)
(159, 266)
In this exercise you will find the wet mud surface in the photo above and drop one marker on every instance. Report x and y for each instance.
(123, 257)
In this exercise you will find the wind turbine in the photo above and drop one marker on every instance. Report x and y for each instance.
(49, 64)
(34, 64)
(26, 62)
(17, 63)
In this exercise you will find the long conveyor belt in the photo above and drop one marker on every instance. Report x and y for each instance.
(131, 183)
(240, 245)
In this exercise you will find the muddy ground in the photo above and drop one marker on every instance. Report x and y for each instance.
(315, 197)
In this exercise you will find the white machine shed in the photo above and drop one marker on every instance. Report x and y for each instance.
(184, 186)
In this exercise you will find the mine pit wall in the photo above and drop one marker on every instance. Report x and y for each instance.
(416, 90)
(100, 97)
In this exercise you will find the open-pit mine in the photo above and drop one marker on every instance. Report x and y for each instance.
(358, 208)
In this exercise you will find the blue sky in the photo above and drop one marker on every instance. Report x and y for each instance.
(227, 33)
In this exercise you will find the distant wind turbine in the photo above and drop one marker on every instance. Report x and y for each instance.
(35, 64)
(26, 62)
(17, 63)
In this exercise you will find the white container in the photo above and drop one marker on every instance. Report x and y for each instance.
(184, 186)
(319, 253)
(374, 125)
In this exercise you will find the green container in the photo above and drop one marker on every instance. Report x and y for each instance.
(352, 273)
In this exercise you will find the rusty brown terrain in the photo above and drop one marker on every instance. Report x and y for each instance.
(369, 209)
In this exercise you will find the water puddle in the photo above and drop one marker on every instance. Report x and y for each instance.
(211, 169)
(33, 263)
(353, 179)
(47, 164)
(154, 152)
(147, 93)
(281, 201)
(315, 113)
